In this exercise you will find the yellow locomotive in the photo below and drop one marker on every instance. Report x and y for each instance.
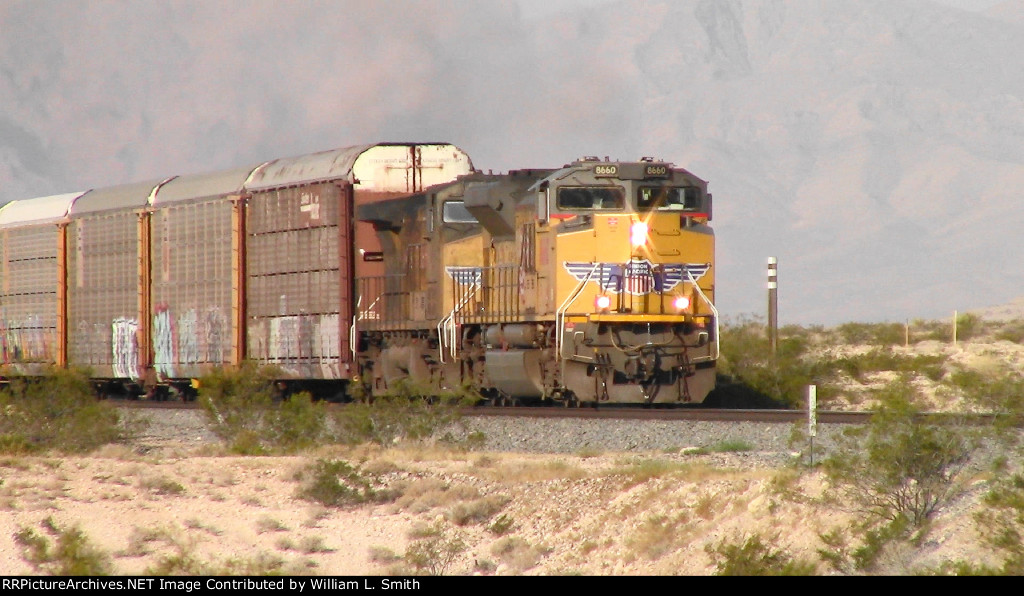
(592, 283)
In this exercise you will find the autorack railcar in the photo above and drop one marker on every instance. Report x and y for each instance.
(190, 272)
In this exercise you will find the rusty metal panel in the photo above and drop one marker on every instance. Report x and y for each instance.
(28, 298)
(191, 259)
(102, 291)
(296, 288)
(115, 198)
(37, 211)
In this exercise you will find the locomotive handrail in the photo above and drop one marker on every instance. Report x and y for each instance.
(713, 310)
(362, 313)
(359, 316)
(446, 326)
(352, 331)
(560, 313)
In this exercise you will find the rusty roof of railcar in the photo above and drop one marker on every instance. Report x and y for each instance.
(203, 186)
(123, 197)
(39, 210)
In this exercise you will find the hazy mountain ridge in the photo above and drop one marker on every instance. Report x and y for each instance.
(874, 147)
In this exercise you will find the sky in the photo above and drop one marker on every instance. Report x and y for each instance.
(533, 8)
(875, 147)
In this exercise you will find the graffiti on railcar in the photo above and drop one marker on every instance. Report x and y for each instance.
(163, 341)
(125, 347)
(194, 337)
(328, 335)
(201, 336)
(90, 345)
(306, 345)
(291, 338)
(25, 340)
(215, 334)
(188, 337)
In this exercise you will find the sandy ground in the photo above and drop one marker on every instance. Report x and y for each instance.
(610, 514)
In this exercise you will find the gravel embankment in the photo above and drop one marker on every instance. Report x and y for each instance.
(533, 435)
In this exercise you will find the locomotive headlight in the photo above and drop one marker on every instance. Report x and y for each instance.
(681, 302)
(638, 233)
(603, 302)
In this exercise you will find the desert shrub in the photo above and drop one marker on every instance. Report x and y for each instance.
(336, 483)
(64, 552)
(185, 561)
(476, 511)
(1002, 524)
(408, 412)
(637, 470)
(755, 555)
(875, 334)
(657, 535)
(269, 524)
(243, 408)
(517, 553)
(750, 373)
(884, 359)
(297, 423)
(57, 411)
(434, 549)
(732, 446)
(383, 555)
(998, 393)
(923, 330)
(969, 326)
(503, 524)
(162, 485)
(1012, 331)
(899, 467)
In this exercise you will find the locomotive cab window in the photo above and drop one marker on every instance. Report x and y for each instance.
(456, 212)
(668, 198)
(592, 198)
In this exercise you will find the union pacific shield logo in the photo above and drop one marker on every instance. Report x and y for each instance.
(636, 277)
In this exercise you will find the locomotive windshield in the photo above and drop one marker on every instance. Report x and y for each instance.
(456, 212)
(668, 198)
(609, 197)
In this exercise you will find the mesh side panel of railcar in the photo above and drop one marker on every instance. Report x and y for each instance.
(28, 298)
(294, 281)
(103, 294)
(191, 271)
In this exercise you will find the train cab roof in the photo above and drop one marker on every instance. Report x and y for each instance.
(645, 168)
